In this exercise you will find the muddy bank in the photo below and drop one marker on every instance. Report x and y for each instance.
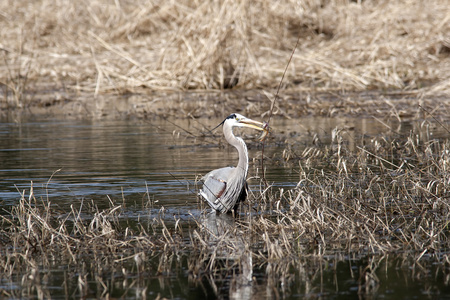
(61, 104)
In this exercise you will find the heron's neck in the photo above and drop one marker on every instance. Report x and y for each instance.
(239, 144)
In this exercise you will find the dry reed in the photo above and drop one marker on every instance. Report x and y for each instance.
(386, 198)
(129, 46)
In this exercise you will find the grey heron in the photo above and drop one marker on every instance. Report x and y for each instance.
(224, 188)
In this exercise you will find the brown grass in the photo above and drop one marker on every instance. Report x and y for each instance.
(140, 46)
(388, 197)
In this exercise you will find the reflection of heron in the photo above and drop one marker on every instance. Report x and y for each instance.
(227, 244)
(224, 188)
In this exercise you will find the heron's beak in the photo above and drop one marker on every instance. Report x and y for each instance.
(256, 125)
(252, 124)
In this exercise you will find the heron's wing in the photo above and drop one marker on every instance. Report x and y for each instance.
(215, 184)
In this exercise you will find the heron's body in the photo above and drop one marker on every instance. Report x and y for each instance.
(224, 188)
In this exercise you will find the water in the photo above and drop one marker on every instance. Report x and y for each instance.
(133, 162)
(89, 160)
(161, 159)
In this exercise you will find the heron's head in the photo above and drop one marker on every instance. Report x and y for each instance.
(238, 120)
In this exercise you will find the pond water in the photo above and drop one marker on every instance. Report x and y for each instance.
(132, 161)
(69, 160)
(137, 161)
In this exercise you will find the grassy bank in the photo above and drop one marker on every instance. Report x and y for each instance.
(97, 47)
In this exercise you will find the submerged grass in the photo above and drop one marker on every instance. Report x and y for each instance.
(388, 197)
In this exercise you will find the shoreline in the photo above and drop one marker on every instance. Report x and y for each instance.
(400, 105)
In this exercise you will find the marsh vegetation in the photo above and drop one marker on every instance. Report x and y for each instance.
(57, 53)
(375, 202)
(363, 211)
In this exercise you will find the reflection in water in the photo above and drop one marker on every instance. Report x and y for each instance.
(128, 161)
(225, 243)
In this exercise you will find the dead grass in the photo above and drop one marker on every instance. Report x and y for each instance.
(127, 46)
(388, 197)
(92, 244)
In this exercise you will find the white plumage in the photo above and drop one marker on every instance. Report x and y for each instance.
(224, 188)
